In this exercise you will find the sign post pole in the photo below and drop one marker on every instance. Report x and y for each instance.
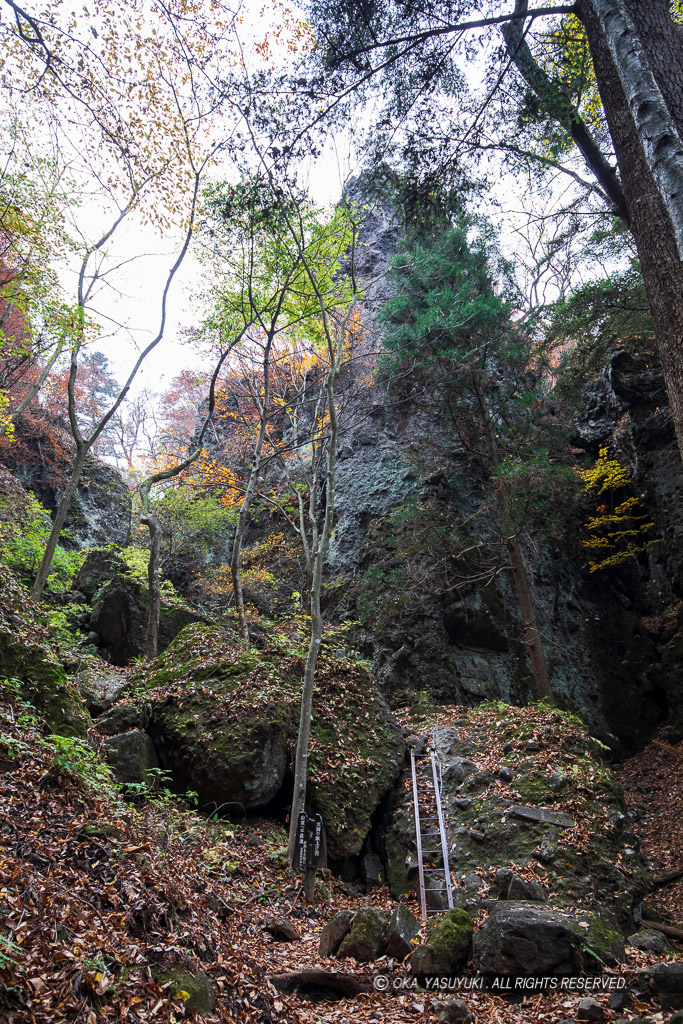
(311, 850)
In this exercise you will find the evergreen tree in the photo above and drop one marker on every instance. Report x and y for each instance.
(452, 344)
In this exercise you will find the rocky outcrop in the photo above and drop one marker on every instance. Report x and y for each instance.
(396, 571)
(100, 512)
(119, 607)
(223, 718)
(534, 815)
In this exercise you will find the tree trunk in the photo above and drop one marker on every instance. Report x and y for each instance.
(532, 637)
(306, 712)
(243, 518)
(554, 99)
(520, 577)
(152, 641)
(58, 522)
(319, 547)
(638, 60)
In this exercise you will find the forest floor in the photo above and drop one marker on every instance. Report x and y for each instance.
(101, 900)
(653, 786)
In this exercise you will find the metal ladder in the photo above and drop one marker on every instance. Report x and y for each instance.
(428, 809)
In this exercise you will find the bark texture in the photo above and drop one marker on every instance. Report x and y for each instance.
(152, 642)
(58, 522)
(638, 59)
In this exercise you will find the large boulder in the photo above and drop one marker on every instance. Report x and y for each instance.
(133, 758)
(223, 716)
(120, 608)
(533, 940)
(534, 812)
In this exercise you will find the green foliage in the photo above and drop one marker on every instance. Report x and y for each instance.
(65, 621)
(10, 954)
(596, 319)
(455, 350)
(263, 245)
(618, 529)
(24, 530)
(445, 309)
(137, 561)
(193, 523)
(75, 760)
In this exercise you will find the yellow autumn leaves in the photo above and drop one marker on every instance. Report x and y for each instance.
(615, 532)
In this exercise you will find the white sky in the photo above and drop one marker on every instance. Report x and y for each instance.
(136, 302)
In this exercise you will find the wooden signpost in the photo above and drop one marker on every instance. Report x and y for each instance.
(311, 850)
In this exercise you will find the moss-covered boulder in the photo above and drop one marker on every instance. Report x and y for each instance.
(28, 654)
(224, 719)
(193, 987)
(447, 947)
(364, 941)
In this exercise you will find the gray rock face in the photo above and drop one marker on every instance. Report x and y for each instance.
(101, 510)
(668, 983)
(100, 689)
(372, 870)
(463, 649)
(402, 928)
(334, 931)
(525, 939)
(132, 756)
